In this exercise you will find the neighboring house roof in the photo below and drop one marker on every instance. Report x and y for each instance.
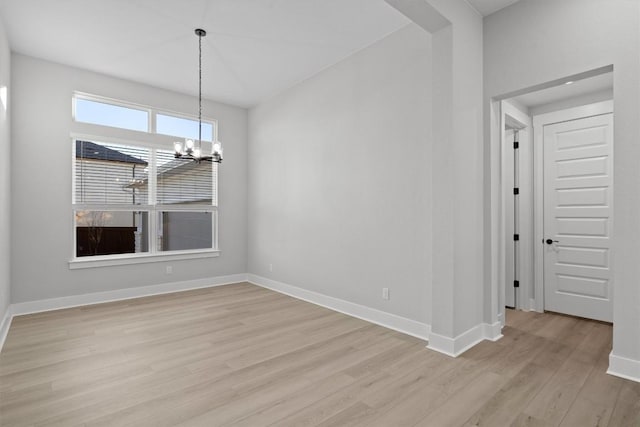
(92, 151)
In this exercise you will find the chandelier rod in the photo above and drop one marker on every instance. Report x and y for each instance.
(201, 33)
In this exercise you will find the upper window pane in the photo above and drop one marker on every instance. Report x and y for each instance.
(184, 182)
(183, 128)
(111, 174)
(100, 113)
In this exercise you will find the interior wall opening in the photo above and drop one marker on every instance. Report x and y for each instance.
(583, 201)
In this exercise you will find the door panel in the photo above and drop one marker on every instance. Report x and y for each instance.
(578, 217)
(569, 197)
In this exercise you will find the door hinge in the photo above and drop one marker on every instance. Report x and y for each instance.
(516, 191)
(516, 237)
(516, 145)
(516, 283)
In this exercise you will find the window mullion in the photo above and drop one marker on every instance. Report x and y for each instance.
(110, 208)
(152, 121)
(214, 229)
(153, 219)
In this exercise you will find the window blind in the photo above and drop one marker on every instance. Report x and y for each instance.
(111, 174)
(184, 182)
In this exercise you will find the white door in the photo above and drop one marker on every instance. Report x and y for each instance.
(578, 197)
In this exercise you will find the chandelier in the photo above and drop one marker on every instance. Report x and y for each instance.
(190, 149)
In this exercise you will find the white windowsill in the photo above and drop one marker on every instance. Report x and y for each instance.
(125, 259)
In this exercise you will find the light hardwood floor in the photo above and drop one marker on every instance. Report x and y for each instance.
(242, 355)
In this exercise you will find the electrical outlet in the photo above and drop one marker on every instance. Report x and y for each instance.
(169, 269)
(270, 267)
(385, 293)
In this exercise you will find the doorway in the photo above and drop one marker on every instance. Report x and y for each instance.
(577, 209)
(557, 199)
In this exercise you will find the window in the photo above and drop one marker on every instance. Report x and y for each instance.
(111, 232)
(135, 200)
(183, 189)
(183, 128)
(108, 187)
(102, 113)
(119, 209)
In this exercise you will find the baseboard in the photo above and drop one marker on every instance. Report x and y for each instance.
(492, 332)
(4, 326)
(121, 294)
(454, 347)
(624, 368)
(533, 306)
(388, 320)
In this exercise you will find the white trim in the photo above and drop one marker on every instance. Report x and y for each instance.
(106, 100)
(502, 230)
(140, 258)
(524, 220)
(444, 345)
(506, 214)
(151, 111)
(143, 208)
(122, 137)
(583, 111)
(492, 332)
(212, 122)
(388, 320)
(496, 311)
(454, 347)
(539, 122)
(122, 294)
(538, 217)
(624, 368)
(4, 326)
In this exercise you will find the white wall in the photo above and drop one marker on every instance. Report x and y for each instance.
(340, 179)
(41, 242)
(5, 195)
(457, 175)
(537, 41)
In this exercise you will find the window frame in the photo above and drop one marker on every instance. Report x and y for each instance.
(154, 125)
(114, 103)
(152, 113)
(152, 141)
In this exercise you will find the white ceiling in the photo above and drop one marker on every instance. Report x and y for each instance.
(253, 50)
(558, 93)
(487, 7)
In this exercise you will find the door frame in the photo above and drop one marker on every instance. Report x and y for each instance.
(539, 122)
(511, 113)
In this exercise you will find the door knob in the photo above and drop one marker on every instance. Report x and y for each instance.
(549, 241)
